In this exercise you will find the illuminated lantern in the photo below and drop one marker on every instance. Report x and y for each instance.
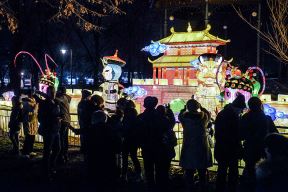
(135, 92)
(111, 73)
(177, 105)
(48, 78)
(155, 48)
(234, 86)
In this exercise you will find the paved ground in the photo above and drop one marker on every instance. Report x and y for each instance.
(22, 174)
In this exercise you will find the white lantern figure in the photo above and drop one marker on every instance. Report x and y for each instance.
(111, 73)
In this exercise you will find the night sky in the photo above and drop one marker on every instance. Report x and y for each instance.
(132, 31)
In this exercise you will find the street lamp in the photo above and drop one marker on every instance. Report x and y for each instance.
(64, 51)
(225, 27)
(22, 79)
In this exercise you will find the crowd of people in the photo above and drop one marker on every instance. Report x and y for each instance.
(108, 139)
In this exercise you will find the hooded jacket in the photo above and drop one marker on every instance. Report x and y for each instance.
(195, 153)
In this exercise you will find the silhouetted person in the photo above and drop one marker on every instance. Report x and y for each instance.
(83, 118)
(87, 108)
(15, 124)
(130, 140)
(64, 101)
(227, 144)
(101, 157)
(151, 141)
(255, 126)
(49, 116)
(272, 173)
(30, 123)
(169, 141)
(196, 153)
(115, 122)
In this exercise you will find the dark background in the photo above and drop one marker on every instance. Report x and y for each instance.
(129, 33)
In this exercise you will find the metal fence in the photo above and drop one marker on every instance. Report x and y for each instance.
(74, 140)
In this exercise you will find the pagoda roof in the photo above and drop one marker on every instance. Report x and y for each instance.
(193, 37)
(174, 61)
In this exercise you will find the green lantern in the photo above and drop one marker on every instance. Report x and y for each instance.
(177, 105)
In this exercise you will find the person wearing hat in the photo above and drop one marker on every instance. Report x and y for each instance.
(254, 127)
(81, 110)
(272, 172)
(227, 143)
(195, 153)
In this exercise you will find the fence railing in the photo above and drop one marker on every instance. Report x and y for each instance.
(74, 140)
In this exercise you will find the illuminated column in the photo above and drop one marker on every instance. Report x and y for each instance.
(176, 73)
(193, 50)
(164, 73)
(184, 75)
(188, 75)
(159, 73)
(154, 74)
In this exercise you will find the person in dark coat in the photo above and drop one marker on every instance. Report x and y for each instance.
(227, 143)
(64, 101)
(169, 141)
(130, 140)
(151, 132)
(49, 116)
(195, 153)
(15, 124)
(272, 172)
(84, 123)
(101, 156)
(255, 126)
(87, 108)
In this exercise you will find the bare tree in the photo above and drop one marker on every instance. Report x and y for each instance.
(83, 11)
(277, 35)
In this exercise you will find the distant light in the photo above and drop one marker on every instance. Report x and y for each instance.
(63, 51)
(171, 18)
(22, 73)
(225, 27)
(254, 14)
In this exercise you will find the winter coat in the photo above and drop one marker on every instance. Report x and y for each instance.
(130, 128)
(151, 133)
(16, 118)
(254, 127)
(227, 139)
(30, 119)
(49, 116)
(64, 103)
(195, 152)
